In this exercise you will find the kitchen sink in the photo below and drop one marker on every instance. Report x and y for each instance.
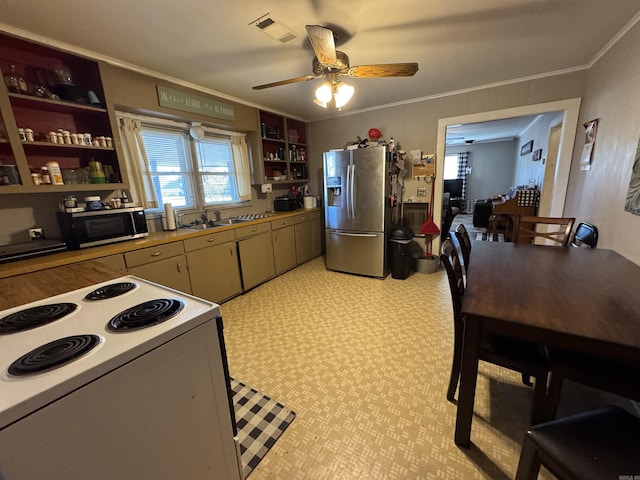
(227, 221)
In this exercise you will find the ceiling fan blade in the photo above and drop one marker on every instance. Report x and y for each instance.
(383, 70)
(285, 82)
(323, 44)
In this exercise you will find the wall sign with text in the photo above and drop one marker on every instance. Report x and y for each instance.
(170, 98)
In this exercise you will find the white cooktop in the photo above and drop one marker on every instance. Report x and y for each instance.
(20, 396)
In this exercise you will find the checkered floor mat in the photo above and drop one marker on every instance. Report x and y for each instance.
(260, 423)
(490, 237)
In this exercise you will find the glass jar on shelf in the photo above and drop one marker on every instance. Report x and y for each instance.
(15, 82)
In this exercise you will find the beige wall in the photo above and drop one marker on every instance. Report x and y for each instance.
(612, 96)
(610, 92)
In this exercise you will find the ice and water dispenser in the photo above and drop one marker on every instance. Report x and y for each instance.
(334, 191)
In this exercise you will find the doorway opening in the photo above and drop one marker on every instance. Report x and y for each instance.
(568, 110)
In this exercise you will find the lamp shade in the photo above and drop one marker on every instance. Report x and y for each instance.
(342, 94)
(323, 93)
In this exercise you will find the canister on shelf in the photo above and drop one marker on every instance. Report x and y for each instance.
(87, 139)
(66, 135)
(36, 178)
(55, 173)
(29, 134)
(53, 137)
(46, 179)
(23, 134)
(109, 142)
(74, 139)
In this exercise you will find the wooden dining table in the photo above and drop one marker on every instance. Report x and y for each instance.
(574, 299)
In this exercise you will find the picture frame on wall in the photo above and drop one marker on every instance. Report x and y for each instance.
(537, 155)
(527, 148)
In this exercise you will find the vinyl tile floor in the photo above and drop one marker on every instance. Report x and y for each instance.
(365, 364)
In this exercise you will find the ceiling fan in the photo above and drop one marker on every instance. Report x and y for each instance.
(330, 63)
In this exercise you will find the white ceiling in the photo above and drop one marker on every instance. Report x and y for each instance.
(459, 44)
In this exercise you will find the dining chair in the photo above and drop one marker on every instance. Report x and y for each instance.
(606, 375)
(586, 236)
(527, 358)
(465, 242)
(527, 228)
(592, 445)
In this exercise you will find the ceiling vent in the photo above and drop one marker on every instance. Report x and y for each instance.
(274, 28)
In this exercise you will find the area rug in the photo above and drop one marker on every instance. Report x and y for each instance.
(260, 423)
(490, 237)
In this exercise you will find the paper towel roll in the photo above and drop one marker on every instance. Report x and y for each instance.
(170, 219)
(309, 201)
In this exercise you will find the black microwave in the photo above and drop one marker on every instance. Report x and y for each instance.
(99, 227)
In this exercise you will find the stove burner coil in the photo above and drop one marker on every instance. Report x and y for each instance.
(53, 354)
(145, 314)
(110, 291)
(34, 317)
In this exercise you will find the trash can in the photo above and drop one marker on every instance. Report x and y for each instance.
(400, 251)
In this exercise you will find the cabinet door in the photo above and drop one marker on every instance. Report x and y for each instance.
(256, 259)
(170, 272)
(316, 237)
(284, 249)
(214, 272)
(304, 249)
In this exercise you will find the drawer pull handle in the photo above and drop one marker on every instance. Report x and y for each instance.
(211, 240)
(157, 254)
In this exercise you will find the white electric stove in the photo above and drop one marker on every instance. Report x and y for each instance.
(125, 379)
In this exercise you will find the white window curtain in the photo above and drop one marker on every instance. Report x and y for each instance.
(240, 153)
(141, 183)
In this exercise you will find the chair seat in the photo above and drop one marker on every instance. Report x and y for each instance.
(589, 446)
(514, 354)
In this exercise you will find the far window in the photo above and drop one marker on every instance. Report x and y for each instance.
(450, 167)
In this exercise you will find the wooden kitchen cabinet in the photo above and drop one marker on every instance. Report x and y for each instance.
(281, 149)
(308, 231)
(72, 112)
(284, 245)
(163, 264)
(255, 248)
(213, 266)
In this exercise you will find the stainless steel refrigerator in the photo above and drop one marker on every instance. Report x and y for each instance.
(357, 187)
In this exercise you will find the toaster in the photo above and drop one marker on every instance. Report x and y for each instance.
(284, 204)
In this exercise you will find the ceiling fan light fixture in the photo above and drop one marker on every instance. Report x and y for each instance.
(318, 102)
(324, 93)
(342, 94)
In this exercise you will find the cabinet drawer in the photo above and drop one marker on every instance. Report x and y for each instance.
(153, 254)
(305, 217)
(281, 223)
(191, 244)
(315, 215)
(250, 230)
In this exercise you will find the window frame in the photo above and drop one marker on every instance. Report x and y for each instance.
(195, 175)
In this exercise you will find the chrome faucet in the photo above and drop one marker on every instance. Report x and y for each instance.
(217, 214)
(204, 217)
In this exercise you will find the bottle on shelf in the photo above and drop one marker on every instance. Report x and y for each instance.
(46, 178)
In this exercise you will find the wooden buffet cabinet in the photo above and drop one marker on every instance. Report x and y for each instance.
(73, 112)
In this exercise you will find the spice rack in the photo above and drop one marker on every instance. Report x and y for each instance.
(282, 150)
(28, 120)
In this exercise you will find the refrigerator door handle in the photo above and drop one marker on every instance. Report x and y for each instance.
(347, 192)
(343, 234)
(352, 191)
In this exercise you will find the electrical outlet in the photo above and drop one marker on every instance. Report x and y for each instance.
(422, 192)
(266, 188)
(36, 233)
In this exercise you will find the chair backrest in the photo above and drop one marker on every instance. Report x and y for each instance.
(450, 258)
(586, 236)
(464, 240)
(527, 228)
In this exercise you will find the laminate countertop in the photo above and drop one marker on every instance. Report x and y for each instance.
(33, 279)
